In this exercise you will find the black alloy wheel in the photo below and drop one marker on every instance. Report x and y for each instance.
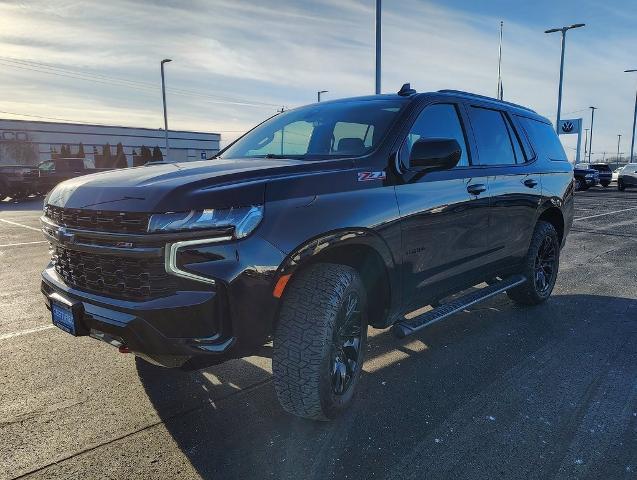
(346, 344)
(545, 261)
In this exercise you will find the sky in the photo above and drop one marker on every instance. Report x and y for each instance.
(237, 62)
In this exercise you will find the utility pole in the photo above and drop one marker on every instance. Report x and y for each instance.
(318, 94)
(500, 93)
(378, 9)
(590, 141)
(563, 30)
(163, 95)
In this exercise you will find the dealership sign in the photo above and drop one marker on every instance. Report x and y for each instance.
(570, 126)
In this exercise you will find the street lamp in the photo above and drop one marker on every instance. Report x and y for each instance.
(590, 139)
(632, 142)
(163, 95)
(586, 143)
(619, 139)
(318, 94)
(559, 94)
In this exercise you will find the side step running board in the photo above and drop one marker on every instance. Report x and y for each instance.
(407, 327)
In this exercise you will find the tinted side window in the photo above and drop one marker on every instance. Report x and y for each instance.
(543, 138)
(492, 137)
(437, 121)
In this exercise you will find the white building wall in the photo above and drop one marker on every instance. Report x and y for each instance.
(42, 137)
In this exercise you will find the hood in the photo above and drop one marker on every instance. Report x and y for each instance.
(165, 187)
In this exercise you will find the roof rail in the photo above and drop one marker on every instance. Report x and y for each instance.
(484, 97)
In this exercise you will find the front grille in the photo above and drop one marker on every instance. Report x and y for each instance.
(99, 220)
(113, 276)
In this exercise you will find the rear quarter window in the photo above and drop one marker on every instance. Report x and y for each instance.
(543, 138)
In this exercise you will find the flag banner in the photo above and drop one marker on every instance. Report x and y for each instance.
(570, 126)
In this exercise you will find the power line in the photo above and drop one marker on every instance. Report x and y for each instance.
(133, 84)
(54, 118)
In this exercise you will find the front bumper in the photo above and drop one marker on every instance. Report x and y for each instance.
(199, 323)
(169, 330)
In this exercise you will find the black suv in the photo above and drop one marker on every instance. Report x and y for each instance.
(320, 221)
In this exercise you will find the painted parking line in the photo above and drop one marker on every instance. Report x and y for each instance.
(26, 332)
(603, 214)
(22, 243)
(20, 225)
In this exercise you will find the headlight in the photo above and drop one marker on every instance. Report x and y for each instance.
(243, 219)
(589, 175)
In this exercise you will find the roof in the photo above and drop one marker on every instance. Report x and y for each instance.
(469, 95)
(453, 93)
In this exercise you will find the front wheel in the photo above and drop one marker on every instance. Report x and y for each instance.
(620, 185)
(319, 341)
(578, 184)
(540, 267)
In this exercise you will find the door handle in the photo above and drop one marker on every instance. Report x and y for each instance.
(476, 188)
(529, 182)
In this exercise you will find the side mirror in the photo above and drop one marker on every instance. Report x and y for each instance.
(431, 154)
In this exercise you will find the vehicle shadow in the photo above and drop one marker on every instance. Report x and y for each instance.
(492, 358)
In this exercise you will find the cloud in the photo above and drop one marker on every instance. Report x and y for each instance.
(281, 53)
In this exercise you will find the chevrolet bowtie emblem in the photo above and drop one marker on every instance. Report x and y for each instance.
(63, 236)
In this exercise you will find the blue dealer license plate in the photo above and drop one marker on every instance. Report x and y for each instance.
(63, 318)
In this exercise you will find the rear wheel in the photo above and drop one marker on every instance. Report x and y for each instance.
(319, 342)
(540, 267)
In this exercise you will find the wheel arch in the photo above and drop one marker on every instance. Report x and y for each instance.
(555, 217)
(361, 249)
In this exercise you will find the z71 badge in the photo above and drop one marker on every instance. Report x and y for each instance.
(367, 176)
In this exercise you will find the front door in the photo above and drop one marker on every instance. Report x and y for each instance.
(444, 215)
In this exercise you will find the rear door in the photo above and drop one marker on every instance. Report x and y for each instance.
(444, 215)
(514, 185)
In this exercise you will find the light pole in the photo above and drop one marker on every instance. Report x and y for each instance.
(586, 143)
(619, 139)
(632, 142)
(318, 94)
(500, 92)
(590, 140)
(378, 8)
(163, 95)
(559, 94)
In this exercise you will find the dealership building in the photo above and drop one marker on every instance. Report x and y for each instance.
(30, 142)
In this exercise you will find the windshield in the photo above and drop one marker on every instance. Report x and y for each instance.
(329, 130)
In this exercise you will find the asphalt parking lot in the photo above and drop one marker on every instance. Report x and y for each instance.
(498, 391)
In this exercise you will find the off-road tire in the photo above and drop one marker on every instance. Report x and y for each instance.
(303, 340)
(528, 293)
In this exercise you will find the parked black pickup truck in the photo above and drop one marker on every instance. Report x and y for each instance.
(52, 172)
(20, 181)
(17, 181)
(320, 221)
(585, 177)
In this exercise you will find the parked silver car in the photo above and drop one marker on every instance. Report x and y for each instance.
(627, 177)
